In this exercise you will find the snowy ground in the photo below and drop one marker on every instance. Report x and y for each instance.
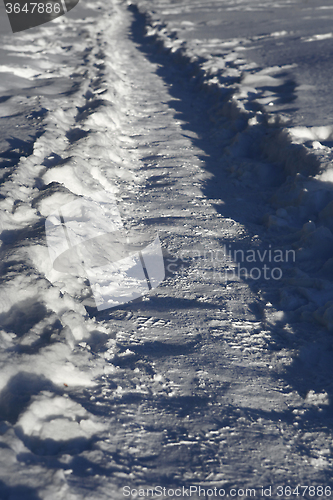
(213, 131)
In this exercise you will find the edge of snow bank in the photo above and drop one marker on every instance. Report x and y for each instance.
(264, 150)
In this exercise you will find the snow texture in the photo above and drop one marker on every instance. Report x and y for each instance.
(207, 123)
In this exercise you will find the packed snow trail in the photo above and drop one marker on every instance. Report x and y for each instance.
(196, 384)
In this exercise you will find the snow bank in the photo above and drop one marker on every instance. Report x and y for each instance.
(266, 150)
(47, 338)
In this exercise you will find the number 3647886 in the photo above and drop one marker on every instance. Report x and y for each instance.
(33, 8)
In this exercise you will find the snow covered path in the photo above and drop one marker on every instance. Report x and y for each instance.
(203, 382)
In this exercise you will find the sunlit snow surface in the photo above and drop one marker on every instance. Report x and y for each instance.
(210, 124)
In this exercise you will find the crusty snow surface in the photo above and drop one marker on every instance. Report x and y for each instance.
(210, 124)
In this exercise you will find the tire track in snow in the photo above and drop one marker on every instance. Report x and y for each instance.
(299, 371)
(279, 334)
(135, 346)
